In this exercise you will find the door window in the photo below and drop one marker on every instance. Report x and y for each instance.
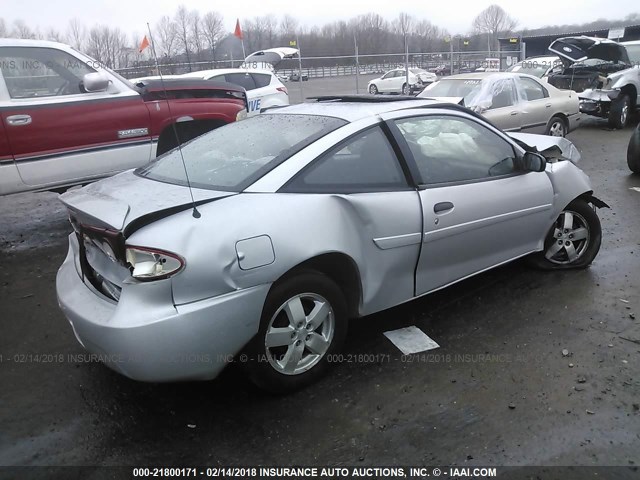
(365, 163)
(453, 149)
(41, 72)
(531, 89)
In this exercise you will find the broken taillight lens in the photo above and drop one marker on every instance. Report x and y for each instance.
(152, 264)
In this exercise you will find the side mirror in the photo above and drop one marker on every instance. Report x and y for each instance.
(95, 82)
(534, 162)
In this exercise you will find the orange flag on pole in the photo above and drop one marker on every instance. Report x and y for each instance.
(144, 44)
(238, 30)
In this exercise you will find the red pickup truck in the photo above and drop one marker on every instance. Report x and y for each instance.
(65, 119)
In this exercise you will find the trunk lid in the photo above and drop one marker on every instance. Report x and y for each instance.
(579, 49)
(117, 202)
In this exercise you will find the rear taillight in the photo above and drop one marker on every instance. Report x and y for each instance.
(152, 264)
(283, 90)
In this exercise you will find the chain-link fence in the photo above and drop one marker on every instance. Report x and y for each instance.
(443, 63)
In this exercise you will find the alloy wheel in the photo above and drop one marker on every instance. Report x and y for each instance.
(299, 333)
(570, 239)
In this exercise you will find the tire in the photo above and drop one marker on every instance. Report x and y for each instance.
(287, 320)
(405, 89)
(578, 219)
(619, 112)
(557, 127)
(373, 90)
(633, 151)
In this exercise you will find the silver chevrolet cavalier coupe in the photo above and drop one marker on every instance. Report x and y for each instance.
(303, 217)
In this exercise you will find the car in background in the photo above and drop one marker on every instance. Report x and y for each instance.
(66, 119)
(302, 218)
(633, 151)
(537, 66)
(601, 72)
(296, 77)
(513, 102)
(395, 81)
(264, 88)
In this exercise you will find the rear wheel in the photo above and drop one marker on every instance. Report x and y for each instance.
(303, 323)
(405, 89)
(619, 112)
(373, 90)
(556, 127)
(573, 241)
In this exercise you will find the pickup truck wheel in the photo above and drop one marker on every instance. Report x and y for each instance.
(303, 324)
(573, 240)
(619, 112)
(556, 127)
(633, 151)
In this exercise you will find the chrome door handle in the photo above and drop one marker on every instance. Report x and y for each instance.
(18, 120)
(548, 105)
(513, 113)
(442, 207)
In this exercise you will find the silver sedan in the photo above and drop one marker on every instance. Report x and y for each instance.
(514, 102)
(302, 218)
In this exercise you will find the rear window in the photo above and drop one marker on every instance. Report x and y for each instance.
(234, 156)
(261, 79)
(452, 88)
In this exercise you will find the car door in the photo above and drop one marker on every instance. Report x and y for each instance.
(386, 82)
(479, 208)
(379, 215)
(504, 110)
(59, 133)
(536, 107)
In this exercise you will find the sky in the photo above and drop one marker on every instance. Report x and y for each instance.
(454, 15)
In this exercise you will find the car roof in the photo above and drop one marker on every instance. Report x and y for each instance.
(352, 111)
(224, 71)
(540, 57)
(631, 42)
(22, 42)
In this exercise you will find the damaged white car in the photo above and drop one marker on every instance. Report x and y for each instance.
(607, 82)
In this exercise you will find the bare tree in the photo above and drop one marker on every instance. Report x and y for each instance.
(106, 45)
(493, 21)
(270, 29)
(288, 27)
(213, 30)
(76, 34)
(21, 30)
(183, 31)
(4, 31)
(54, 35)
(195, 33)
(168, 37)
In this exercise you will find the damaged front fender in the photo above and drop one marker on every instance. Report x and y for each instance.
(599, 96)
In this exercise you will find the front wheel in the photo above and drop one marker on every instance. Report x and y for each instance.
(619, 113)
(556, 127)
(405, 89)
(633, 151)
(573, 241)
(303, 323)
(373, 90)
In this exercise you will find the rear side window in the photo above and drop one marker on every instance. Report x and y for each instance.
(364, 163)
(243, 79)
(261, 79)
(232, 157)
(531, 89)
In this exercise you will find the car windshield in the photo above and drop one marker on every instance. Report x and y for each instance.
(232, 157)
(634, 54)
(452, 88)
(417, 70)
